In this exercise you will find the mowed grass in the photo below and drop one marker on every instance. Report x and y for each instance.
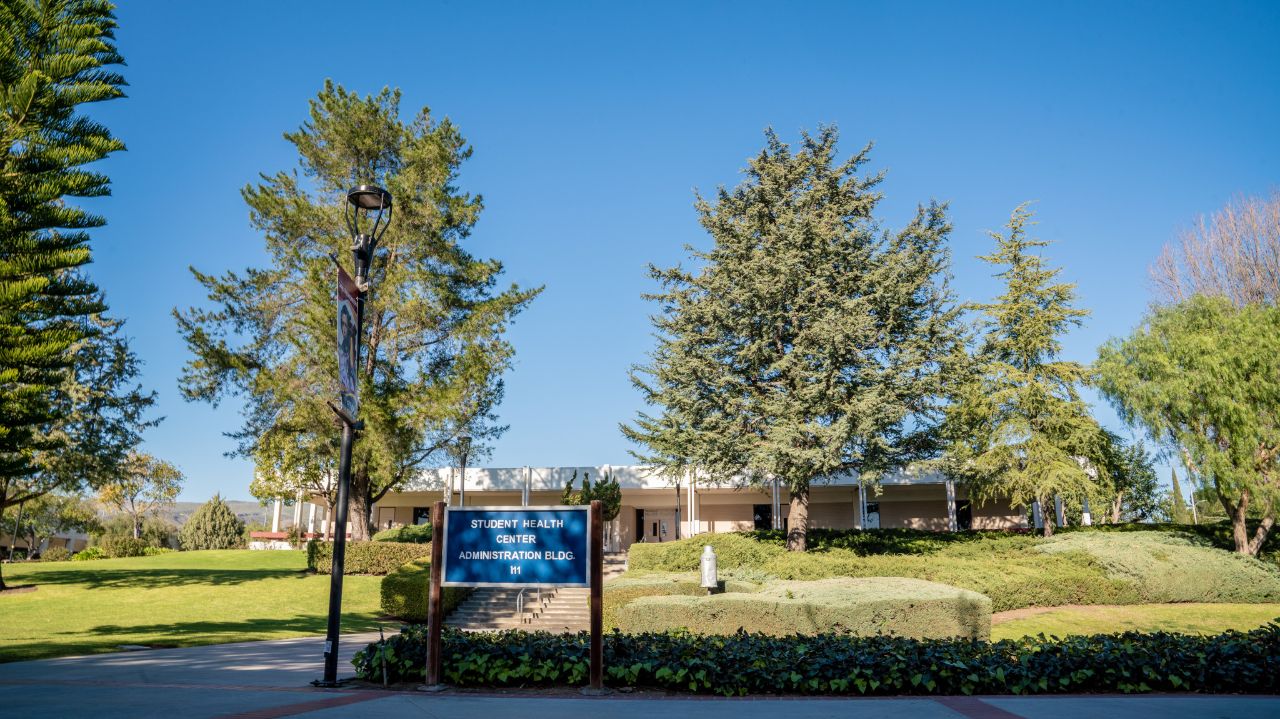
(1180, 618)
(172, 600)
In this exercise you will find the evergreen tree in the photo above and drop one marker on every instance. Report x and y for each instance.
(1178, 512)
(606, 489)
(212, 526)
(807, 342)
(68, 412)
(1019, 429)
(434, 321)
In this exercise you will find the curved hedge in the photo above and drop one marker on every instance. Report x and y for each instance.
(620, 591)
(840, 664)
(413, 533)
(406, 592)
(866, 607)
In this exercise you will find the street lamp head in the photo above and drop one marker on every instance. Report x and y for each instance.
(367, 212)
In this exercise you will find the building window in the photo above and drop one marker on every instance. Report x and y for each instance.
(422, 515)
(964, 514)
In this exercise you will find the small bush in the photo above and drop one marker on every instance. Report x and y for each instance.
(413, 533)
(153, 551)
(55, 554)
(88, 554)
(212, 526)
(113, 547)
(842, 664)
(365, 557)
(406, 592)
(866, 607)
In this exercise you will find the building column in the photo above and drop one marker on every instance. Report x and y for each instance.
(297, 512)
(951, 506)
(327, 523)
(1057, 510)
(1086, 517)
(275, 515)
(524, 490)
(311, 518)
(1037, 519)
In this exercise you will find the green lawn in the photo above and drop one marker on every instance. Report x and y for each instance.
(176, 599)
(1184, 618)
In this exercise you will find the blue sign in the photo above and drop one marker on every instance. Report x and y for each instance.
(516, 547)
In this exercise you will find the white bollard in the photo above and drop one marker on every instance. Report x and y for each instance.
(710, 581)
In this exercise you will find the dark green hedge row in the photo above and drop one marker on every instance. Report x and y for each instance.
(365, 557)
(1233, 662)
(406, 592)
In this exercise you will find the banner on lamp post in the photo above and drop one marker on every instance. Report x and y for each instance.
(348, 342)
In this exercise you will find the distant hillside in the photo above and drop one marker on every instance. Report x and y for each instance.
(249, 511)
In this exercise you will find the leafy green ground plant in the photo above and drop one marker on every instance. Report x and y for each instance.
(841, 664)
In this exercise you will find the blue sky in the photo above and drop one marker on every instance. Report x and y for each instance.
(593, 123)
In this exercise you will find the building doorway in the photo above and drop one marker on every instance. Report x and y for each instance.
(762, 515)
(872, 519)
(639, 525)
(964, 514)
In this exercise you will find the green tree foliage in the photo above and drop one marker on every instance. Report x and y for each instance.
(1135, 490)
(1204, 376)
(434, 322)
(145, 485)
(807, 341)
(67, 410)
(606, 489)
(1019, 429)
(53, 514)
(1178, 511)
(212, 526)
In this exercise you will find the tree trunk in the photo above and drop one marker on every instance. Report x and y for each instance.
(135, 527)
(798, 520)
(1046, 517)
(1237, 511)
(1260, 535)
(361, 510)
(1116, 505)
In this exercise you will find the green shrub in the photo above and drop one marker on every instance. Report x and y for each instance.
(365, 557)
(153, 551)
(406, 592)
(733, 551)
(212, 526)
(113, 547)
(88, 554)
(1173, 567)
(634, 584)
(842, 664)
(414, 533)
(880, 605)
(55, 554)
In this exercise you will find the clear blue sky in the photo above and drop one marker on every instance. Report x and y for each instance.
(593, 123)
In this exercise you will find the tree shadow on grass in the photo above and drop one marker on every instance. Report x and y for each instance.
(108, 637)
(157, 578)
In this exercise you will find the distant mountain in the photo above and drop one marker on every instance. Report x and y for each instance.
(251, 512)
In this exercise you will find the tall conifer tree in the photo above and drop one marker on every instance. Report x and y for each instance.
(1019, 428)
(68, 412)
(807, 342)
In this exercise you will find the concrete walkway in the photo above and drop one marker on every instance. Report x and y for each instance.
(264, 680)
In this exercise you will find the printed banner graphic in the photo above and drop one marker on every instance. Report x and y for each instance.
(516, 547)
(348, 343)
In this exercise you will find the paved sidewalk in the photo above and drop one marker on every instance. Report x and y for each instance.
(265, 680)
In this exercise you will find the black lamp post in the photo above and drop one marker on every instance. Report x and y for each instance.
(367, 214)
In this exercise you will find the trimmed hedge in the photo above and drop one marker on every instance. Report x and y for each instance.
(406, 592)
(1015, 571)
(1169, 567)
(620, 591)
(866, 607)
(365, 557)
(114, 547)
(415, 533)
(1232, 662)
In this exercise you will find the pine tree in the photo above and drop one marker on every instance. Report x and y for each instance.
(1019, 429)
(212, 526)
(1178, 512)
(434, 322)
(67, 411)
(807, 342)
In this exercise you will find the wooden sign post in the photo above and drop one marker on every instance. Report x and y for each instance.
(435, 607)
(597, 598)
